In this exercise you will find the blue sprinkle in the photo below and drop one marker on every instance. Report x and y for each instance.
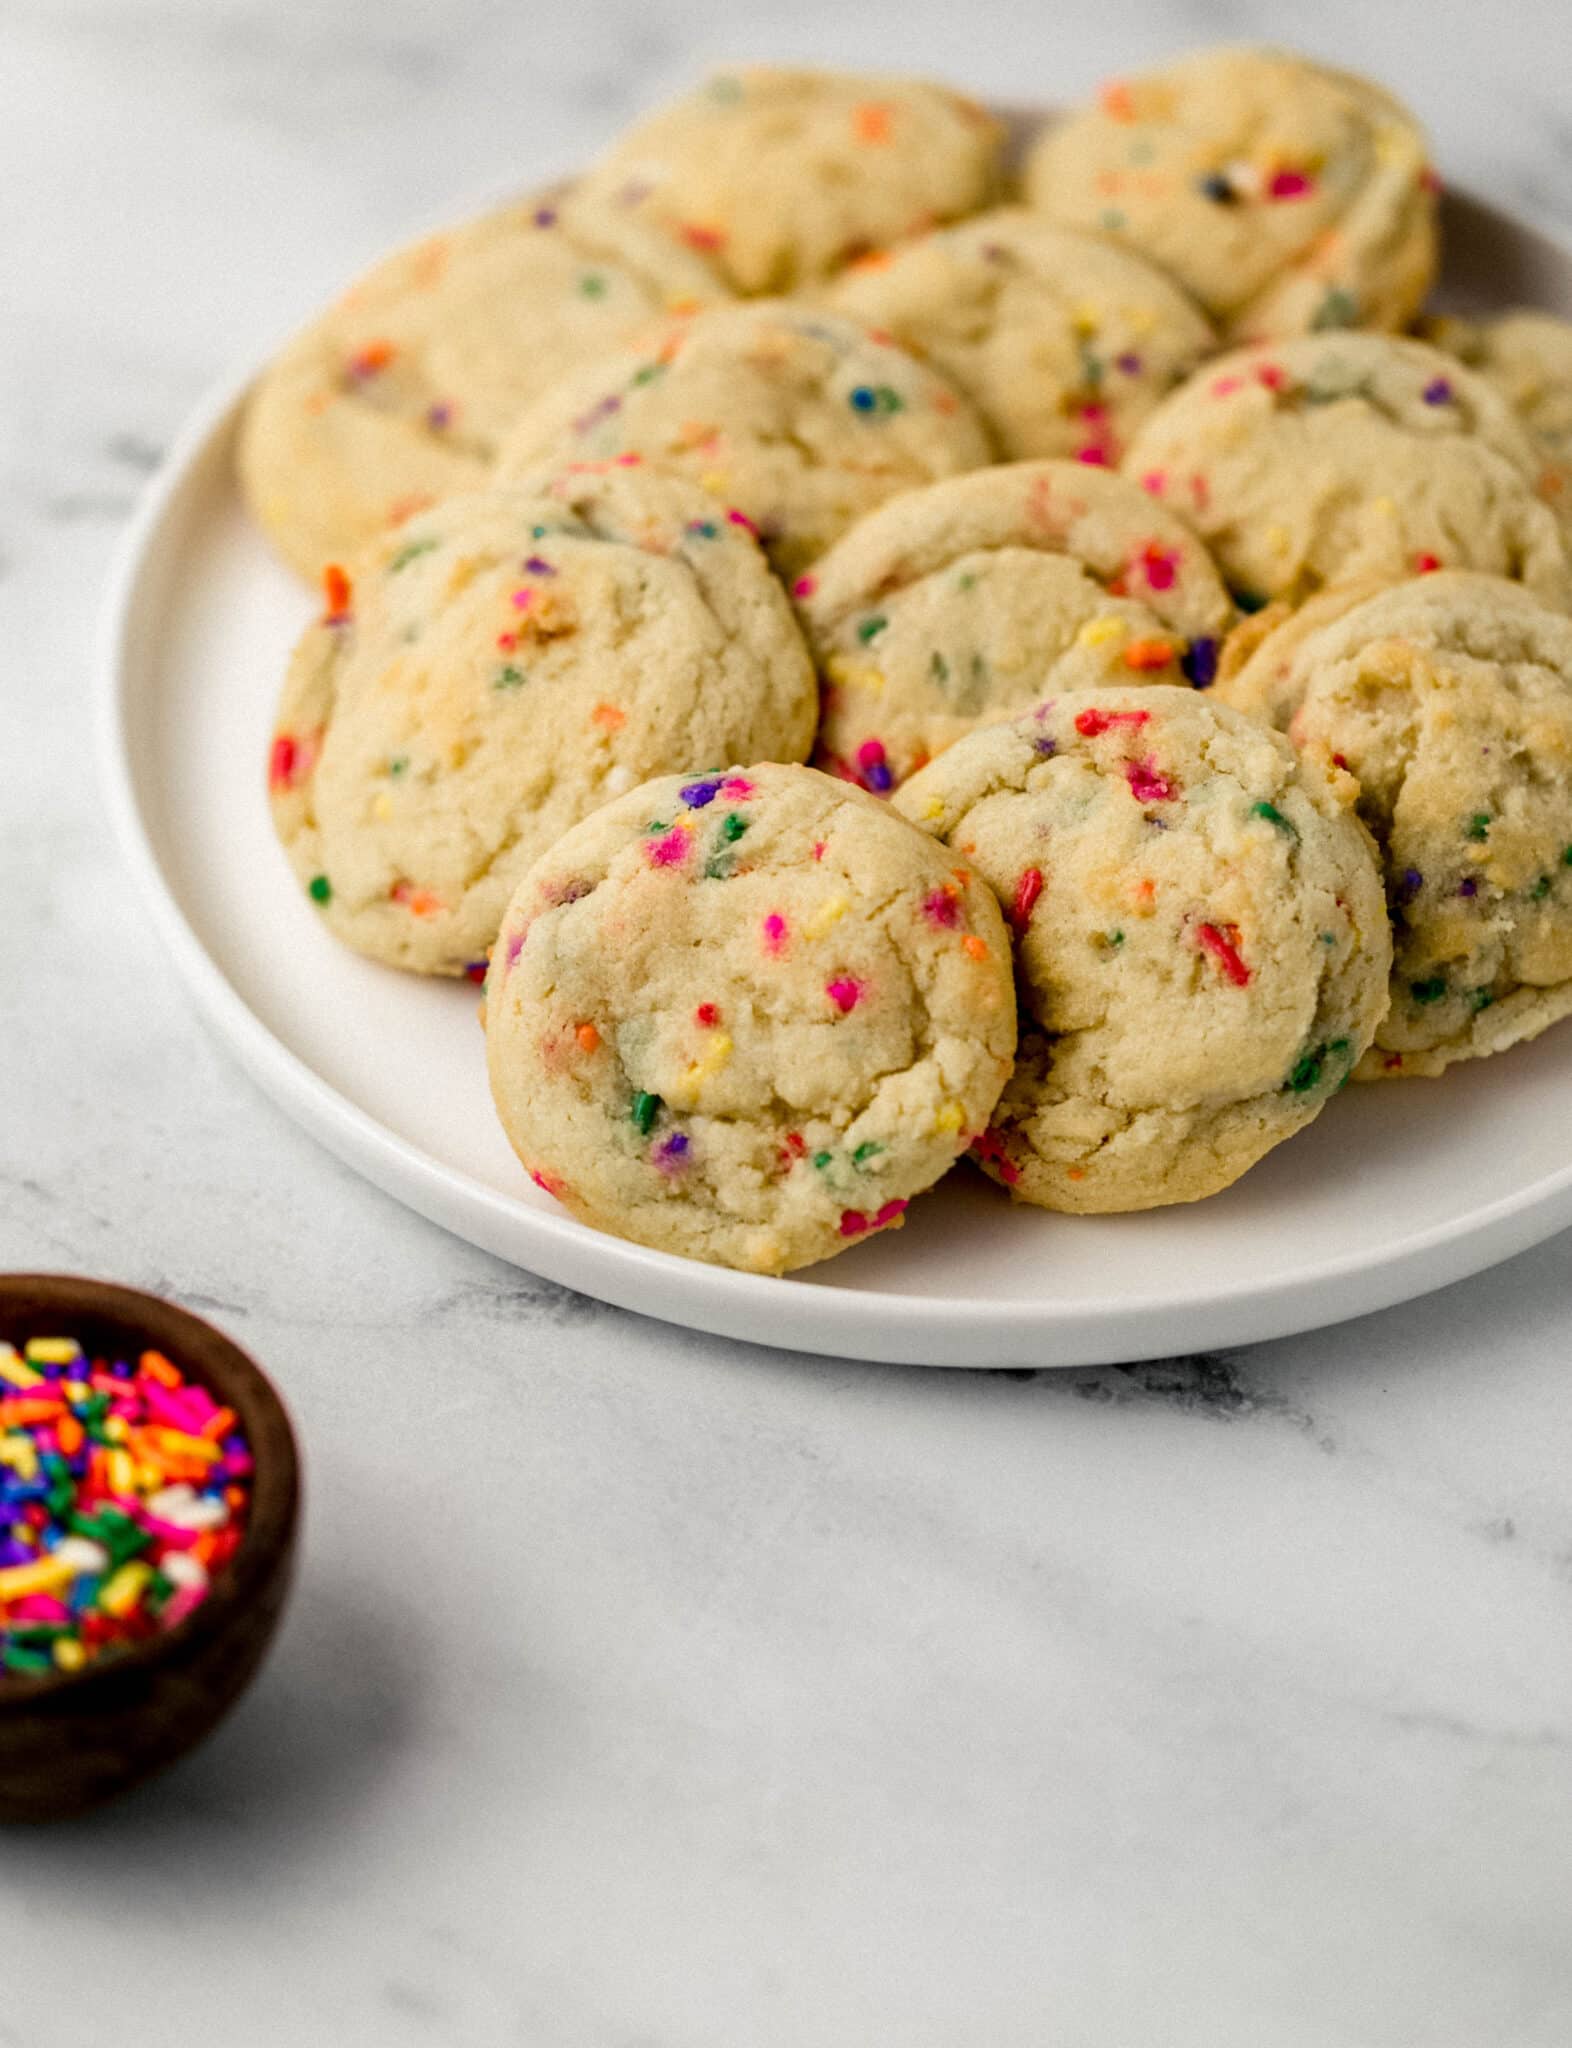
(864, 398)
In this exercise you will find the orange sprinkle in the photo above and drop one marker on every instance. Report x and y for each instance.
(1115, 101)
(978, 948)
(158, 1367)
(609, 716)
(418, 902)
(375, 356)
(1148, 654)
(698, 236)
(403, 508)
(70, 1435)
(338, 593)
(218, 1424)
(588, 1037)
(871, 122)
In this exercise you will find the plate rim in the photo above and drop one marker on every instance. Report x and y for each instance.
(876, 1326)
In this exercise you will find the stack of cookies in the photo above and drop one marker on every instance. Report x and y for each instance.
(875, 650)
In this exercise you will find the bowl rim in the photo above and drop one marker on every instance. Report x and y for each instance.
(275, 1486)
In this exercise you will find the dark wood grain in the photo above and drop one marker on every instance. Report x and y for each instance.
(72, 1740)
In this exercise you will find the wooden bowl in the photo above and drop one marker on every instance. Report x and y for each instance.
(69, 1740)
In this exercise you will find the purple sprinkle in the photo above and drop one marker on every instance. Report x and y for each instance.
(597, 413)
(1046, 747)
(1468, 888)
(1438, 392)
(1413, 881)
(696, 795)
(439, 415)
(1200, 663)
(879, 777)
(537, 565)
(674, 1146)
(545, 216)
(1129, 362)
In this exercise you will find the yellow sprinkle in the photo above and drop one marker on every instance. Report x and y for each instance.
(854, 675)
(75, 1390)
(21, 1454)
(116, 1428)
(52, 1350)
(1099, 631)
(1385, 506)
(934, 807)
(17, 1581)
(69, 1653)
(1086, 316)
(714, 480)
(1277, 538)
(124, 1589)
(951, 1117)
(828, 913)
(13, 1369)
(462, 574)
(687, 1092)
(121, 1467)
(383, 807)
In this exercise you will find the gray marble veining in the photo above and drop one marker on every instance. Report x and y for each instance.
(642, 1691)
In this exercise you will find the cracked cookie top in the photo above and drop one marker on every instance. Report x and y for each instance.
(496, 667)
(399, 393)
(747, 1015)
(1337, 458)
(801, 420)
(1200, 939)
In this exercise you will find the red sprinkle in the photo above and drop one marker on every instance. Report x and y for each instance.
(989, 1146)
(1225, 952)
(707, 1015)
(281, 763)
(1027, 891)
(1092, 722)
(854, 1223)
(1289, 185)
(339, 594)
(1425, 564)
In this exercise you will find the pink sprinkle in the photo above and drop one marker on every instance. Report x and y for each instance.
(943, 907)
(774, 933)
(516, 944)
(737, 787)
(1289, 185)
(40, 1607)
(1161, 566)
(804, 586)
(1154, 483)
(844, 992)
(1146, 785)
(1222, 387)
(1094, 458)
(522, 600)
(741, 519)
(670, 850)
(818, 849)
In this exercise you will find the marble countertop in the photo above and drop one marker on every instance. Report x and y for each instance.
(642, 1690)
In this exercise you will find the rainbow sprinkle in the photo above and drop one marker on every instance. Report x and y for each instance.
(123, 1490)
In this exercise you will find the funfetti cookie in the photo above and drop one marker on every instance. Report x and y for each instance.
(1063, 341)
(800, 420)
(398, 395)
(1339, 458)
(1527, 356)
(949, 607)
(1200, 939)
(780, 175)
(747, 1015)
(1283, 194)
(1448, 699)
(498, 666)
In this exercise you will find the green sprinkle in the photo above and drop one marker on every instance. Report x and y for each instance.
(1249, 601)
(646, 1108)
(1307, 1070)
(648, 373)
(1478, 827)
(1274, 816)
(1329, 938)
(866, 1152)
(1091, 365)
(733, 825)
(1115, 939)
(939, 669)
(889, 399)
(1541, 889)
(979, 668)
(411, 552)
(399, 765)
(657, 825)
(319, 889)
(15, 1658)
(592, 285)
(1566, 858)
(510, 678)
(1430, 991)
(966, 581)
(1110, 220)
(822, 1159)
(1481, 999)
(870, 629)
(1339, 308)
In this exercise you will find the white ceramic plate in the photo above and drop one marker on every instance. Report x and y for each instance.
(1395, 1190)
